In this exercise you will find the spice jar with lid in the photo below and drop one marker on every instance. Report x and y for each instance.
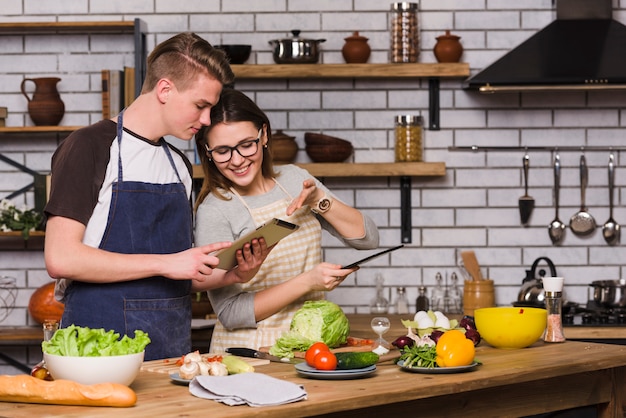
(408, 135)
(553, 287)
(404, 32)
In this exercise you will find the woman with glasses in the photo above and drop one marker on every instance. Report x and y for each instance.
(242, 189)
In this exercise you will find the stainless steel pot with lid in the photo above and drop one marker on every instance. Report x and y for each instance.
(296, 50)
(609, 293)
(532, 293)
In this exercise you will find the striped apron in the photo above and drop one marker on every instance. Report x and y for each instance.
(294, 254)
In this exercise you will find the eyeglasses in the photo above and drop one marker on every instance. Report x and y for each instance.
(224, 153)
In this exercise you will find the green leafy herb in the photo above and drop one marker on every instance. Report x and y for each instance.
(14, 219)
(419, 356)
(87, 342)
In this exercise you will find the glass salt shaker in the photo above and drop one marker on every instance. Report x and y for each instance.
(455, 295)
(553, 287)
(437, 298)
(402, 303)
(379, 304)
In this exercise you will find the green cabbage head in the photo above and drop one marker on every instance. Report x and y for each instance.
(317, 320)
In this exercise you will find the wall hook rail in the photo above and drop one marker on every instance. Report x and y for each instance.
(476, 148)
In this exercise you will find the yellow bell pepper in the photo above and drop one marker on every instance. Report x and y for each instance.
(454, 350)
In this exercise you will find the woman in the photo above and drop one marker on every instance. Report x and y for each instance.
(242, 190)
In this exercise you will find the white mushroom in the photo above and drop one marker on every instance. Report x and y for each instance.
(189, 370)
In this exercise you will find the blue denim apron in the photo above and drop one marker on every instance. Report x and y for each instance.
(144, 218)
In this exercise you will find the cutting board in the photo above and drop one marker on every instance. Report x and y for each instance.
(169, 365)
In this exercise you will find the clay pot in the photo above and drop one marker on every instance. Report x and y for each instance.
(356, 49)
(46, 107)
(43, 306)
(284, 148)
(448, 48)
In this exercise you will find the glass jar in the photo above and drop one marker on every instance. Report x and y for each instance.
(554, 325)
(409, 133)
(404, 33)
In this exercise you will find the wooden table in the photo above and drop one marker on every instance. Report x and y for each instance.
(542, 378)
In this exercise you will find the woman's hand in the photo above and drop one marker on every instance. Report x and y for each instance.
(327, 276)
(308, 196)
(249, 259)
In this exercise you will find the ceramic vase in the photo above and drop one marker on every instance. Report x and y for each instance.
(45, 107)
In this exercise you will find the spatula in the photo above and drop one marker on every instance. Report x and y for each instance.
(526, 202)
(471, 264)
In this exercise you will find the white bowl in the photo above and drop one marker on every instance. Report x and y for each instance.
(92, 370)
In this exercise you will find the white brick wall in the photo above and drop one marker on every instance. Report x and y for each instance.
(473, 207)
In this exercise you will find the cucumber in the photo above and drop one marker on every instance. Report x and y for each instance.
(353, 360)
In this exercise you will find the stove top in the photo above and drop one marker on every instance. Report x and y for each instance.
(592, 314)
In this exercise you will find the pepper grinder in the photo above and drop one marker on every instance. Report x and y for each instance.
(553, 287)
(455, 295)
(422, 303)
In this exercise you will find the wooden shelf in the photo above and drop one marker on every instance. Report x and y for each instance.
(29, 28)
(452, 70)
(135, 27)
(37, 129)
(434, 169)
(13, 240)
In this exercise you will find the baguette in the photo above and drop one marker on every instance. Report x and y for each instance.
(29, 389)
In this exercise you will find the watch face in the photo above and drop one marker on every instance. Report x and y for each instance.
(323, 205)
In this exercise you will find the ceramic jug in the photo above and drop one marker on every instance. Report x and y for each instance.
(448, 48)
(45, 107)
(356, 50)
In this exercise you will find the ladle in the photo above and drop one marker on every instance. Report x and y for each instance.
(611, 229)
(582, 223)
(557, 228)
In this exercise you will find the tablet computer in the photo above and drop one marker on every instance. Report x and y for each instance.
(371, 257)
(273, 231)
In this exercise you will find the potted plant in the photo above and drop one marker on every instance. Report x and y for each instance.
(14, 219)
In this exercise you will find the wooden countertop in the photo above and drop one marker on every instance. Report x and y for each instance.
(529, 381)
(360, 327)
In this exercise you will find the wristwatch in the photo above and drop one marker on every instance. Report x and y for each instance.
(323, 205)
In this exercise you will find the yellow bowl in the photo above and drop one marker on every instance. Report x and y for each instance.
(510, 327)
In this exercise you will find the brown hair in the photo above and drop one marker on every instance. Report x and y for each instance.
(233, 106)
(181, 58)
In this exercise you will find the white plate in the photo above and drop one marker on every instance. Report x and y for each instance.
(438, 370)
(308, 371)
(179, 380)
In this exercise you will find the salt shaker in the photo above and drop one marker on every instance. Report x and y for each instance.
(380, 304)
(553, 287)
(437, 298)
(402, 303)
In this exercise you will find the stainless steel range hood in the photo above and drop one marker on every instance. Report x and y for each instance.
(583, 49)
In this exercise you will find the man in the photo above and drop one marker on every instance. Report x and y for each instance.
(119, 218)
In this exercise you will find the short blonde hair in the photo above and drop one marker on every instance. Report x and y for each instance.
(181, 58)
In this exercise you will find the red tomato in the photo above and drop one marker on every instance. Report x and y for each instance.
(316, 348)
(325, 360)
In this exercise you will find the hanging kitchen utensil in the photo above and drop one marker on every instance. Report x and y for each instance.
(526, 202)
(582, 223)
(471, 264)
(556, 229)
(611, 229)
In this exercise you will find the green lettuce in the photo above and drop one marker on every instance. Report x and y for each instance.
(86, 342)
(317, 320)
